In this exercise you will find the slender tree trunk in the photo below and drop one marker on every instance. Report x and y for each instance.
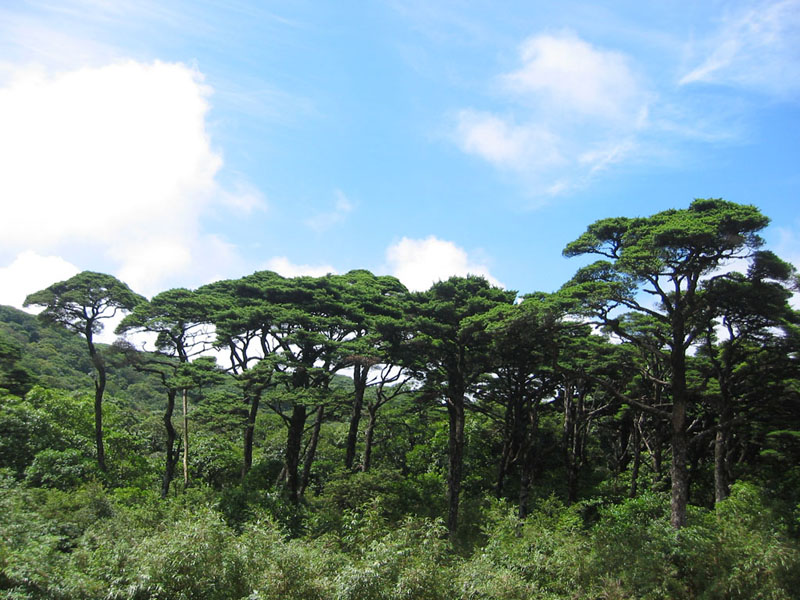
(99, 389)
(249, 433)
(294, 440)
(570, 443)
(169, 467)
(679, 441)
(360, 383)
(526, 427)
(721, 448)
(637, 459)
(369, 434)
(502, 469)
(185, 438)
(311, 450)
(526, 476)
(513, 442)
(455, 411)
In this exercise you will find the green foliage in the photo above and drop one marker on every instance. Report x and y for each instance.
(498, 388)
(741, 551)
(44, 420)
(543, 556)
(62, 469)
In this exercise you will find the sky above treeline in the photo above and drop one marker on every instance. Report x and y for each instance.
(176, 143)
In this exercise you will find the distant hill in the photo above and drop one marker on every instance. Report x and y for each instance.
(33, 353)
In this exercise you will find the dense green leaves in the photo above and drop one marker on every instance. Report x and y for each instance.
(486, 402)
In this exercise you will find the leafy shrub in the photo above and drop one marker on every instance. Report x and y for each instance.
(542, 556)
(61, 469)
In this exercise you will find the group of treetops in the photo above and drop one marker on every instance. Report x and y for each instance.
(657, 325)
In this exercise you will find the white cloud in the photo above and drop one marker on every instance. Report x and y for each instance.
(574, 109)
(755, 47)
(569, 74)
(283, 266)
(31, 272)
(115, 160)
(419, 263)
(505, 144)
(325, 220)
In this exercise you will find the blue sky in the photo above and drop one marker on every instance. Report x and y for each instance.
(175, 143)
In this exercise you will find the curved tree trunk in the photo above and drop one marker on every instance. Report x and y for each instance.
(311, 450)
(169, 467)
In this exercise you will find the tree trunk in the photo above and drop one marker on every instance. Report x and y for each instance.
(637, 458)
(722, 446)
(679, 441)
(502, 468)
(455, 411)
(513, 439)
(369, 435)
(570, 443)
(99, 389)
(169, 467)
(185, 438)
(311, 450)
(294, 440)
(526, 476)
(249, 433)
(360, 383)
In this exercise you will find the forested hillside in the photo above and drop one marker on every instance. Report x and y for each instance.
(635, 434)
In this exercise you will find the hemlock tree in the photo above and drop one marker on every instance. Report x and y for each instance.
(665, 256)
(81, 304)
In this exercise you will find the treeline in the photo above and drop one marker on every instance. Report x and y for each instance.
(613, 414)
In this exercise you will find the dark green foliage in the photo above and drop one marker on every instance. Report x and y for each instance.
(552, 443)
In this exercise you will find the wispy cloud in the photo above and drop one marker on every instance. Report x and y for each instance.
(565, 73)
(755, 47)
(573, 109)
(326, 220)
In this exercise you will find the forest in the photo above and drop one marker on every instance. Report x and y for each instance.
(632, 435)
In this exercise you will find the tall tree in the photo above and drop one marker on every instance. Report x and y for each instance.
(288, 335)
(375, 307)
(750, 311)
(523, 346)
(455, 358)
(665, 256)
(179, 318)
(81, 304)
(242, 313)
